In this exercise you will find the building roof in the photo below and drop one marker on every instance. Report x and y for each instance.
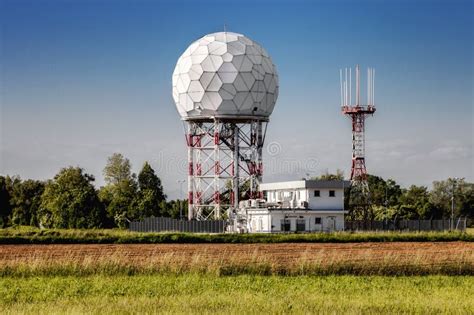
(303, 184)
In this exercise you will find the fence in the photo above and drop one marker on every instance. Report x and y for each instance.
(161, 224)
(407, 225)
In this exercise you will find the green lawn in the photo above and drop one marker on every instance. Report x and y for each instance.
(193, 293)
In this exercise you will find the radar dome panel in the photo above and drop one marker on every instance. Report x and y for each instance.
(225, 75)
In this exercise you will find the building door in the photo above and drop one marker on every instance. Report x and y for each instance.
(285, 225)
(300, 225)
(331, 224)
(254, 225)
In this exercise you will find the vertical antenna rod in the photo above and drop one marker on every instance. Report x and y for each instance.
(373, 87)
(340, 81)
(357, 86)
(350, 85)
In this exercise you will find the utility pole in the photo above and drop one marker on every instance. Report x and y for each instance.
(452, 205)
(455, 181)
(181, 182)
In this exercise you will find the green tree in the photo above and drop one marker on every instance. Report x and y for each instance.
(5, 207)
(378, 204)
(120, 201)
(328, 176)
(150, 194)
(377, 186)
(120, 194)
(466, 200)
(70, 201)
(383, 192)
(148, 180)
(26, 201)
(414, 203)
(118, 169)
(172, 208)
(463, 193)
(393, 193)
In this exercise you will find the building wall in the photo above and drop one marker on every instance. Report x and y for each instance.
(323, 202)
(259, 222)
(270, 221)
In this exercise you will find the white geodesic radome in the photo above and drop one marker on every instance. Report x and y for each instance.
(225, 75)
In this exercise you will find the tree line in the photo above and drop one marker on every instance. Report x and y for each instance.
(388, 201)
(70, 199)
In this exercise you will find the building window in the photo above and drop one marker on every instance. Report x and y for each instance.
(285, 225)
(317, 193)
(317, 220)
(332, 193)
(300, 225)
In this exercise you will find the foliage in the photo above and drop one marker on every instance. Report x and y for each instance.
(70, 201)
(5, 206)
(327, 176)
(173, 208)
(383, 193)
(388, 201)
(26, 201)
(118, 169)
(414, 203)
(150, 194)
(209, 294)
(123, 198)
(120, 194)
(462, 193)
(127, 197)
(147, 180)
(120, 201)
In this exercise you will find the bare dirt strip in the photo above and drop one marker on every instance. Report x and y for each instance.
(285, 254)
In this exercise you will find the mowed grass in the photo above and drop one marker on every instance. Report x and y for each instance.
(206, 294)
(30, 235)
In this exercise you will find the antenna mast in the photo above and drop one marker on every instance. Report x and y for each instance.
(357, 113)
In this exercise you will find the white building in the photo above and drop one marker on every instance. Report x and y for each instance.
(297, 206)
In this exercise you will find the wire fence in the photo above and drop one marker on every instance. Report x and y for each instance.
(458, 224)
(162, 224)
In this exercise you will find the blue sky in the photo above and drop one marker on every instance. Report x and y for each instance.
(83, 79)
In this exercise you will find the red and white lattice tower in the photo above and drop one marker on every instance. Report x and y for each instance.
(225, 87)
(224, 164)
(357, 113)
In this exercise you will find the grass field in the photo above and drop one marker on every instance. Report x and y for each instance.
(119, 272)
(208, 294)
(386, 258)
(29, 235)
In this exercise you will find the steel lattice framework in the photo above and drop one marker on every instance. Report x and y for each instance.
(224, 164)
(357, 113)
